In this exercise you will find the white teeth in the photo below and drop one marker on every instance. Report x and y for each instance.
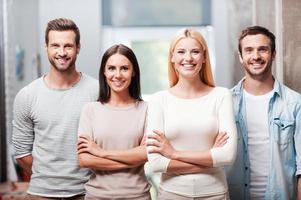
(188, 65)
(117, 83)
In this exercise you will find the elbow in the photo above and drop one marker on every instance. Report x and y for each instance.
(224, 159)
(229, 160)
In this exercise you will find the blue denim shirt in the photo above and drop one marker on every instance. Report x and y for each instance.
(284, 119)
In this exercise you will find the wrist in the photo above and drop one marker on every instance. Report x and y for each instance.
(174, 155)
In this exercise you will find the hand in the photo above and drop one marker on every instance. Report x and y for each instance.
(220, 139)
(160, 144)
(143, 141)
(86, 145)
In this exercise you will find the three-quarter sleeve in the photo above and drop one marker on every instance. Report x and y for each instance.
(226, 154)
(155, 121)
(23, 127)
(85, 121)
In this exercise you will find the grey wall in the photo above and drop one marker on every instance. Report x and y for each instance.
(292, 43)
(229, 18)
(20, 31)
(86, 14)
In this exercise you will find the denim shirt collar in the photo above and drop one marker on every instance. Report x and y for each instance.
(238, 89)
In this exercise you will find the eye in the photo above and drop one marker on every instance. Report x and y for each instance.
(263, 49)
(54, 45)
(111, 68)
(248, 50)
(68, 46)
(195, 52)
(180, 52)
(124, 68)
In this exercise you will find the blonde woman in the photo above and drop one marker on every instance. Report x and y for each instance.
(191, 127)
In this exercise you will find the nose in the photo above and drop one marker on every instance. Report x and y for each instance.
(187, 56)
(62, 52)
(256, 54)
(117, 74)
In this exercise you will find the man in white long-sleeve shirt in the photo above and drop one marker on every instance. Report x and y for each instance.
(46, 115)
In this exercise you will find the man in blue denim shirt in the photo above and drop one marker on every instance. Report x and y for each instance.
(268, 119)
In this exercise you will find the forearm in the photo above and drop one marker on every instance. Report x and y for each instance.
(299, 187)
(202, 158)
(179, 167)
(25, 163)
(87, 160)
(134, 157)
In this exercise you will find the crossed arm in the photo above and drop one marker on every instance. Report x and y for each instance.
(183, 162)
(93, 156)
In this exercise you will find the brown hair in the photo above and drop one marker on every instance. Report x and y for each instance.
(62, 24)
(255, 30)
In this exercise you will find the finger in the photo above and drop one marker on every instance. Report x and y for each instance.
(159, 133)
(154, 137)
(83, 150)
(81, 146)
(153, 150)
(85, 137)
(221, 136)
(81, 139)
(153, 143)
(224, 138)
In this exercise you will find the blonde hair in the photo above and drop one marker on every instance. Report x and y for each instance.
(205, 73)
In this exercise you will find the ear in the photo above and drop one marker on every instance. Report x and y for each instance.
(78, 48)
(274, 55)
(172, 58)
(45, 47)
(240, 57)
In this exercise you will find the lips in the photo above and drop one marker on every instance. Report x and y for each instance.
(188, 66)
(117, 83)
(62, 61)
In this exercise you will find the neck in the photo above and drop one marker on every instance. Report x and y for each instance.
(62, 80)
(257, 86)
(121, 99)
(190, 88)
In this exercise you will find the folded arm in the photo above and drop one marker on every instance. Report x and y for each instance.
(201, 159)
(93, 156)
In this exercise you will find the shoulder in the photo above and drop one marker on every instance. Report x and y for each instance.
(30, 90)
(89, 107)
(158, 96)
(289, 95)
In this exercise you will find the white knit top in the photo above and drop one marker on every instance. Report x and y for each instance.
(191, 125)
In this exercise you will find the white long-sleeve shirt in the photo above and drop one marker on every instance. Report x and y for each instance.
(191, 125)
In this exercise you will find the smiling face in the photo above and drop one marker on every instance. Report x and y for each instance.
(62, 50)
(188, 57)
(257, 56)
(118, 72)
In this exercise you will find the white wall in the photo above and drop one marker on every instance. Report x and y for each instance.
(223, 69)
(86, 14)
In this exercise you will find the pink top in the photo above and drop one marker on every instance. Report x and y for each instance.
(115, 129)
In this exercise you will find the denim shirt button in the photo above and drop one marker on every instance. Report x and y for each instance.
(246, 184)
(246, 168)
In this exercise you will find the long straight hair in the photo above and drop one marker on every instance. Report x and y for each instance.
(134, 87)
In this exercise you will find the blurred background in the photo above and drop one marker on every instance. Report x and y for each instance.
(147, 27)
